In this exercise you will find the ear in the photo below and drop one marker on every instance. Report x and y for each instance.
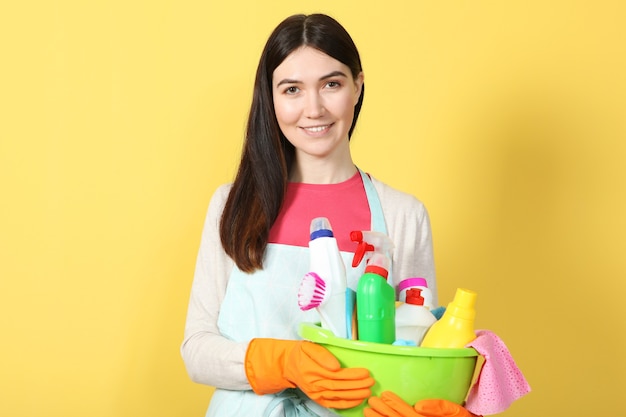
(358, 87)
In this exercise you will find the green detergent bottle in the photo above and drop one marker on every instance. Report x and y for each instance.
(376, 303)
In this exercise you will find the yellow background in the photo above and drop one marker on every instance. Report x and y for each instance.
(119, 119)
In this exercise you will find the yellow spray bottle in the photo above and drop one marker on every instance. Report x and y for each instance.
(455, 329)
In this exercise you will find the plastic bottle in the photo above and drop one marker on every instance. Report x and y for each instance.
(375, 303)
(406, 284)
(455, 329)
(326, 262)
(413, 319)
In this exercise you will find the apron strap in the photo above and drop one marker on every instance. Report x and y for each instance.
(376, 209)
(293, 405)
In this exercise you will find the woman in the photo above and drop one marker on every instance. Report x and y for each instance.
(241, 329)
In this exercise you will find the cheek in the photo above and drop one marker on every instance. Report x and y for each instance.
(345, 107)
(286, 111)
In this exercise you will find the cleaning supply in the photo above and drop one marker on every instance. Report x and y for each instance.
(500, 382)
(370, 241)
(324, 287)
(413, 319)
(413, 373)
(272, 365)
(441, 408)
(375, 302)
(312, 291)
(390, 404)
(408, 283)
(455, 329)
(438, 312)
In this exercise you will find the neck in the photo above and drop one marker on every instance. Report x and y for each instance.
(322, 171)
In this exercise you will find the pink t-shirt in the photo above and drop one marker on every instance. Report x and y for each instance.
(344, 204)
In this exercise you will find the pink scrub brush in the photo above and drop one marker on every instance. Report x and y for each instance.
(312, 291)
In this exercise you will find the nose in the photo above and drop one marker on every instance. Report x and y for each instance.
(314, 106)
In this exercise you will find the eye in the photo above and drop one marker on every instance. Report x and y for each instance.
(292, 90)
(333, 84)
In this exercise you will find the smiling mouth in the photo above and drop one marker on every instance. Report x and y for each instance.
(316, 129)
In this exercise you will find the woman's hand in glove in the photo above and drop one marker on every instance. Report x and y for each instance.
(390, 405)
(273, 365)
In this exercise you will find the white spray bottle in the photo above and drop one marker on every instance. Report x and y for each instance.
(324, 287)
(370, 243)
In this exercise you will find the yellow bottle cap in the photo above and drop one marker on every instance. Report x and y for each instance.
(463, 304)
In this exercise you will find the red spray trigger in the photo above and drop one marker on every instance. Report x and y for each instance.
(361, 249)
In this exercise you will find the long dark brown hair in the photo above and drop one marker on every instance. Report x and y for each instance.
(259, 187)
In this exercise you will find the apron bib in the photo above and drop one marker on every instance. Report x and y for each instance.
(265, 304)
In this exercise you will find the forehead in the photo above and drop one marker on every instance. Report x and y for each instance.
(306, 63)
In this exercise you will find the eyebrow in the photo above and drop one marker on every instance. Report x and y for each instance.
(325, 77)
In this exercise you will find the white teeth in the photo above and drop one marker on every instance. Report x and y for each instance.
(316, 129)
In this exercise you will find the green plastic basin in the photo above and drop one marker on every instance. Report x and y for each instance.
(413, 373)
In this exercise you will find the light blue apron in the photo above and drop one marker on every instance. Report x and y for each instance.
(265, 304)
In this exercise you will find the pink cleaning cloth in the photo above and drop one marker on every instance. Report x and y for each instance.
(500, 382)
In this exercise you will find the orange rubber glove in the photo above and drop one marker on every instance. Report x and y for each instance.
(390, 405)
(273, 365)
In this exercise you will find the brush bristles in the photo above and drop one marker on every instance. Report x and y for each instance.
(312, 291)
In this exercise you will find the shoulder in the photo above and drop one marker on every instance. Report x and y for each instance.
(217, 203)
(221, 193)
(218, 200)
(397, 202)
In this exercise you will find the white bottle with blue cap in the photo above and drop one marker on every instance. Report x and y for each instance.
(324, 287)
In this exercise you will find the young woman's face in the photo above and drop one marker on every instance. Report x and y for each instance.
(314, 99)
